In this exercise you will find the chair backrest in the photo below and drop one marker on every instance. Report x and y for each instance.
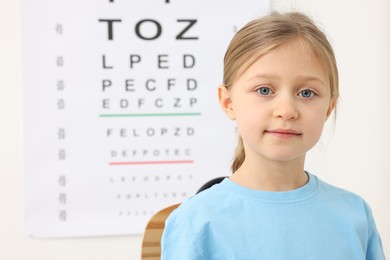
(211, 183)
(151, 248)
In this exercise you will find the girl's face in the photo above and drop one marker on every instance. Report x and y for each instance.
(280, 103)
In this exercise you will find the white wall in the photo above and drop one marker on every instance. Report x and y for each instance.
(355, 156)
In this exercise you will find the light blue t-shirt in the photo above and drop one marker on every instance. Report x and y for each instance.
(317, 221)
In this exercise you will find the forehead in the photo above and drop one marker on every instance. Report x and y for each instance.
(293, 59)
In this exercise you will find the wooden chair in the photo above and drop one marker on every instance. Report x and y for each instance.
(151, 247)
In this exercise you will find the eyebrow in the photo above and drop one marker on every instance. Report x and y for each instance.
(299, 78)
(310, 78)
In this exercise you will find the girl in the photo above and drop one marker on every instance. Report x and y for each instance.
(280, 85)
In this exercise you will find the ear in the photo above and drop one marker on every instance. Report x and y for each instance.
(225, 101)
(330, 109)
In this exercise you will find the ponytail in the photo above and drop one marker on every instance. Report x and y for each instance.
(239, 156)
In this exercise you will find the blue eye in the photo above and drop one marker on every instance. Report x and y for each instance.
(264, 91)
(307, 93)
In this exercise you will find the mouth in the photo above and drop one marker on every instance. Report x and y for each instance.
(283, 133)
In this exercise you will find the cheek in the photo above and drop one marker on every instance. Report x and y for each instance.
(250, 122)
(318, 112)
(315, 124)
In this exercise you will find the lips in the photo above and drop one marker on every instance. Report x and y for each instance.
(284, 133)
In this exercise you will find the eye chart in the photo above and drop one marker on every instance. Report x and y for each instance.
(121, 117)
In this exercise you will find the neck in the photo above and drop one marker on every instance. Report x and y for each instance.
(271, 175)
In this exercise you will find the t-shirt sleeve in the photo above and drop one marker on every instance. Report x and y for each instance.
(179, 242)
(374, 245)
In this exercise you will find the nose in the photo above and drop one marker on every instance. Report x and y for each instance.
(285, 108)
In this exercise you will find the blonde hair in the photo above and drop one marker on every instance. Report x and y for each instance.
(267, 33)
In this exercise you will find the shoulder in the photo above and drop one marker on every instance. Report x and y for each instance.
(188, 225)
(342, 198)
(334, 191)
(356, 211)
(198, 214)
(199, 206)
